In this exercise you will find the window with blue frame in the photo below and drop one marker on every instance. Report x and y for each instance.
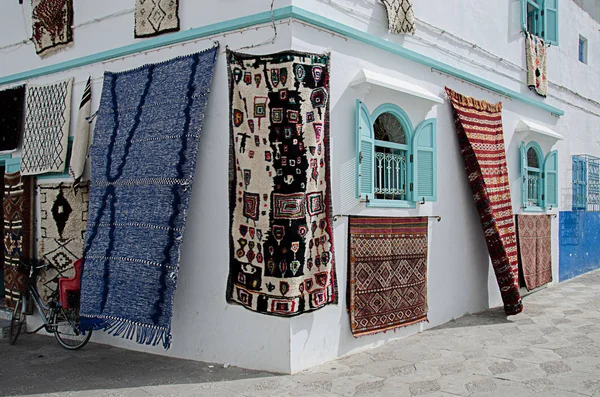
(539, 177)
(396, 162)
(582, 49)
(540, 18)
(585, 183)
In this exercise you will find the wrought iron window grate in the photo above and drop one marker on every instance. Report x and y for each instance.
(586, 183)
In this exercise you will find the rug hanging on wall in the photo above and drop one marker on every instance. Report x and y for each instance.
(154, 17)
(387, 273)
(18, 238)
(401, 16)
(535, 249)
(63, 217)
(12, 104)
(82, 135)
(144, 160)
(535, 55)
(51, 25)
(281, 240)
(479, 130)
(48, 114)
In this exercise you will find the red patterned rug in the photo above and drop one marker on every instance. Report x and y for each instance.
(18, 192)
(479, 130)
(535, 249)
(387, 273)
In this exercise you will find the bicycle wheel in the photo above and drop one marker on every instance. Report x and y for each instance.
(66, 329)
(16, 322)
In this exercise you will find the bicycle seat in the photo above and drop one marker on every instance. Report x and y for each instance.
(71, 287)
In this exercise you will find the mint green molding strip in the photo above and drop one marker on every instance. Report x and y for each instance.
(265, 17)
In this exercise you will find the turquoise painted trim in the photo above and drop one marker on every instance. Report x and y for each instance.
(391, 204)
(4, 157)
(396, 49)
(12, 165)
(534, 209)
(398, 112)
(265, 17)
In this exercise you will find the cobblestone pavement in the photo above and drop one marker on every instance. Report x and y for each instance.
(552, 349)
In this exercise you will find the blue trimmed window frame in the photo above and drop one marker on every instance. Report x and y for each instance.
(540, 18)
(394, 170)
(539, 182)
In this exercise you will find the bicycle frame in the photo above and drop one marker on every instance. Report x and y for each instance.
(39, 303)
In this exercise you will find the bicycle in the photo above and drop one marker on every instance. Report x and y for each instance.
(61, 319)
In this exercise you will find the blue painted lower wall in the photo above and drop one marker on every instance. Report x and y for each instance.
(579, 239)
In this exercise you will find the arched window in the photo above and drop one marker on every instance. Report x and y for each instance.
(539, 177)
(534, 178)
(392, 156)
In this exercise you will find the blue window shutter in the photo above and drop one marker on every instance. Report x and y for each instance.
(524, 174)
(551, 179)
(364, 151)
(551, 21)
(579, 184)
(424, 168)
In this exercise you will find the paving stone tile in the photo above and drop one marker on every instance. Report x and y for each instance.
(555, 367)
(538, 385)
(423, 388)
(452, 368)
(368, 388)
(480, 386)
(502, 368)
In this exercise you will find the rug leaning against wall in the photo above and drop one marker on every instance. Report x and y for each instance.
(387, 273)
(143, 164)
(18, 237)
(481, 139)
(12, 105)
(46, 136)
(51, 25)
(63, 217)
(154, 17)
(281, 240)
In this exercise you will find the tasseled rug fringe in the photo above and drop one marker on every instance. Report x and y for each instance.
(141, 333)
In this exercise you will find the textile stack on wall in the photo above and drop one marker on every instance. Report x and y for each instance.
(535, 55)
(63, 217)
(387, 273)
(82, 135)
(18, 220)
(144, 160)
(154, 17)
(46, 136)
(51, 25)
(535, 249)
(12, 103)
(281, 240)
(479, 130)
(401, 16)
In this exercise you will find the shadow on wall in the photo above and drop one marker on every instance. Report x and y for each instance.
(579, 240)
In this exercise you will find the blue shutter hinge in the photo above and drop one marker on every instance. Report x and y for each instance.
(411, 160)
(411, 185)
(360, 157)
(543, 175)
(543, 197)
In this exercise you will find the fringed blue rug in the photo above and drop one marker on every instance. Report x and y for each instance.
(143, 162)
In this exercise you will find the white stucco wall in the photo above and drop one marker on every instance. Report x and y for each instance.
(460, 279)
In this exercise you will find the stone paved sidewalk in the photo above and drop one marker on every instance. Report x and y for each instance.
(552, 349)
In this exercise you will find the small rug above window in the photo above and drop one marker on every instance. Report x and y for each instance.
(154, 17)
(12, 105)
(401, 16)
(51, 25)
(535, 249)
(535, 54)
(387, 275)
(47, 120)
(479, 131)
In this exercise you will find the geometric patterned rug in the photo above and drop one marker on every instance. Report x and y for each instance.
(64, 213)
(281, 238)
(18, 216)
(47, 120)
(401, 16)
(481, 139)
(387, 273)
(535, 249)
(154, 17)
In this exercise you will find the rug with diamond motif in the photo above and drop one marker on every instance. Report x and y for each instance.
(387, 275)
(18, 239)
(154, 17)
(281, 238)
(63, 217)
(535, 249)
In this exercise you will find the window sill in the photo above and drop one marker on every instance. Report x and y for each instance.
(390, 204)
(534, 209)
